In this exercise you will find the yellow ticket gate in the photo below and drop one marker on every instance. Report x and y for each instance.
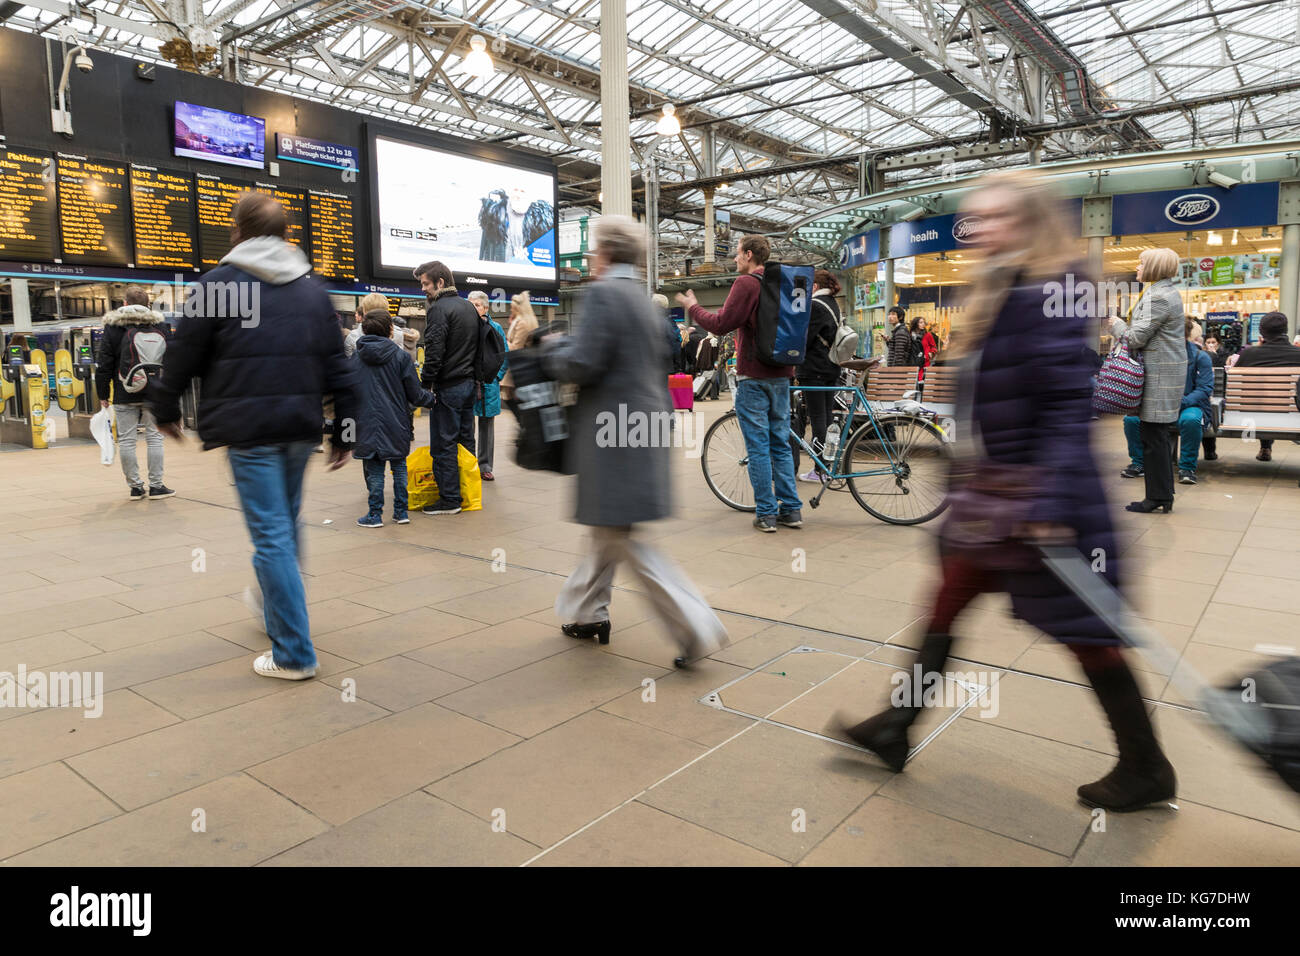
(74, 380)
(26, 395)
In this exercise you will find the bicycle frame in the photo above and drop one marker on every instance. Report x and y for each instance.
(858, 397)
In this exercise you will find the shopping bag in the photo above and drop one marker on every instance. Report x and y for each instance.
(422, 490)
(101, 429)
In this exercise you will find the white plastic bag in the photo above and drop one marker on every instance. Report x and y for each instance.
(101, 427)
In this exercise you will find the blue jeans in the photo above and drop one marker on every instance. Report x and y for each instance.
(268, 479)
(1189, 438)
(451, 422)
(763, 409)
(373, 468)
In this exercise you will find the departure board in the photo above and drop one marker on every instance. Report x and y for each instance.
(28, 217)
(214, 198)
(162, 204)
(93, 210)
(333, 242)
(294, 202)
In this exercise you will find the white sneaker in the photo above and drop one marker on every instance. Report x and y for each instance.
(266, 666)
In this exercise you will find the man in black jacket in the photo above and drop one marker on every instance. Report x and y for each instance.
(1273, 351)
(260, 331)
(450, 348)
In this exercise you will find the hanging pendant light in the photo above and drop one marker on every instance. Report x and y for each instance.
(669, 124)
(478, 63)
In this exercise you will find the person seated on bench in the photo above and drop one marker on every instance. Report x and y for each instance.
(1273, 351)
(1195, 413)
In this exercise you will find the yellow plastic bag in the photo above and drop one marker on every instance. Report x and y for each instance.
(422, 490)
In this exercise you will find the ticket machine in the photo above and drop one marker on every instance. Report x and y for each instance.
(26, 393)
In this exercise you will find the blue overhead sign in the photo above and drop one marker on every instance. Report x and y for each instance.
(315, 152)
(860, 249)
(1197, 207)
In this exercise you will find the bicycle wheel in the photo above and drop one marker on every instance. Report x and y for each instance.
(726, 464)
(916, 487)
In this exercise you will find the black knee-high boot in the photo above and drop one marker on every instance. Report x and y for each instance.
(1143, 775)
(885, 734)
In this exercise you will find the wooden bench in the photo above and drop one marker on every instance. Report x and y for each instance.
(1258, 402)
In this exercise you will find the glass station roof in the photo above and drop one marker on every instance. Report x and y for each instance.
(810, 84)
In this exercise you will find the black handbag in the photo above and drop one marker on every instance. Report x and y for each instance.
(539, 408)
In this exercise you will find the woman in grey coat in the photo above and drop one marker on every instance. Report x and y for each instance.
(1158, 332)
(620, 439)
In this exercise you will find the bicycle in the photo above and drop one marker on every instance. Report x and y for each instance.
(895, 465)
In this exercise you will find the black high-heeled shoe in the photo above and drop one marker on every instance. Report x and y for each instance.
(1146, 506)
(600, 631)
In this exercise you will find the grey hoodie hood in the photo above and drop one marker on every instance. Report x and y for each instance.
(134, 315)
(270, 259)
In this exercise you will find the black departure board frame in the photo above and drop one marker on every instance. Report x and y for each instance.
(94, 210)
(175, 221)
(332, 222)
(28, 212)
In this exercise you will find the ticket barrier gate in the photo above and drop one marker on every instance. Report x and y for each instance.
(74, 379)
(25, 391)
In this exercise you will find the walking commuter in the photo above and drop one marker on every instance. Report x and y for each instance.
(616, 358)
(918, 341)
(672, 335)
(264, 373)
(130, 356)
(1273, 351)
(899, 342)
(762, 395)
(487, 405)
(523, 323)
(1028, 466)
(387, 386)
(817, 367)
(450, 347)
(1158, 332)
(369, 303)
(1192, 417)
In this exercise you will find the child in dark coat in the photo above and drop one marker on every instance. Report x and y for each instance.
(388, 386)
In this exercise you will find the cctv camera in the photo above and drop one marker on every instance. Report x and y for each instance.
(1227, 182)
(84, 63)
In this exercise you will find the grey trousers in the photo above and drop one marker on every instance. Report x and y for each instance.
(485, 442)
(584, 599)
(130, 419)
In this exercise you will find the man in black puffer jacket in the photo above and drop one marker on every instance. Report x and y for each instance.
(451, 331)
(260, 331)
(900, 339)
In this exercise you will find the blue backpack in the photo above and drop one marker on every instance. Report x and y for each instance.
(784, 307)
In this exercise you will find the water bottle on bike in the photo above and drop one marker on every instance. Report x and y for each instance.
(832, 443)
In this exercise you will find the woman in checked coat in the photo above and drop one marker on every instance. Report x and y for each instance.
(1157, 333)
(1027, 395)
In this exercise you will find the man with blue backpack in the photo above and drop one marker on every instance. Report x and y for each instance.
(769, 314)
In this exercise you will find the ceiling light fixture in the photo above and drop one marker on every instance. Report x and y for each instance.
(478, 62)
(669, 124)
(1213, 239)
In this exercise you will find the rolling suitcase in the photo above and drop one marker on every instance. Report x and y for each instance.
(1261, 712)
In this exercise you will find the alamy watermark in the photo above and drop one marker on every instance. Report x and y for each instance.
(634, 428)
(955, 689)
(1084, 298)
(214, 300)
(84, 689)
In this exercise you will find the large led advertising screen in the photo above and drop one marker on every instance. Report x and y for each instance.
(204, 132)
(486, 219)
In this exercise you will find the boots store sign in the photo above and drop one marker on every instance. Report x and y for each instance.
(1207, 207)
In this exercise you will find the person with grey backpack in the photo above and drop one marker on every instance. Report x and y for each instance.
(130, 358)
(830, 341)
